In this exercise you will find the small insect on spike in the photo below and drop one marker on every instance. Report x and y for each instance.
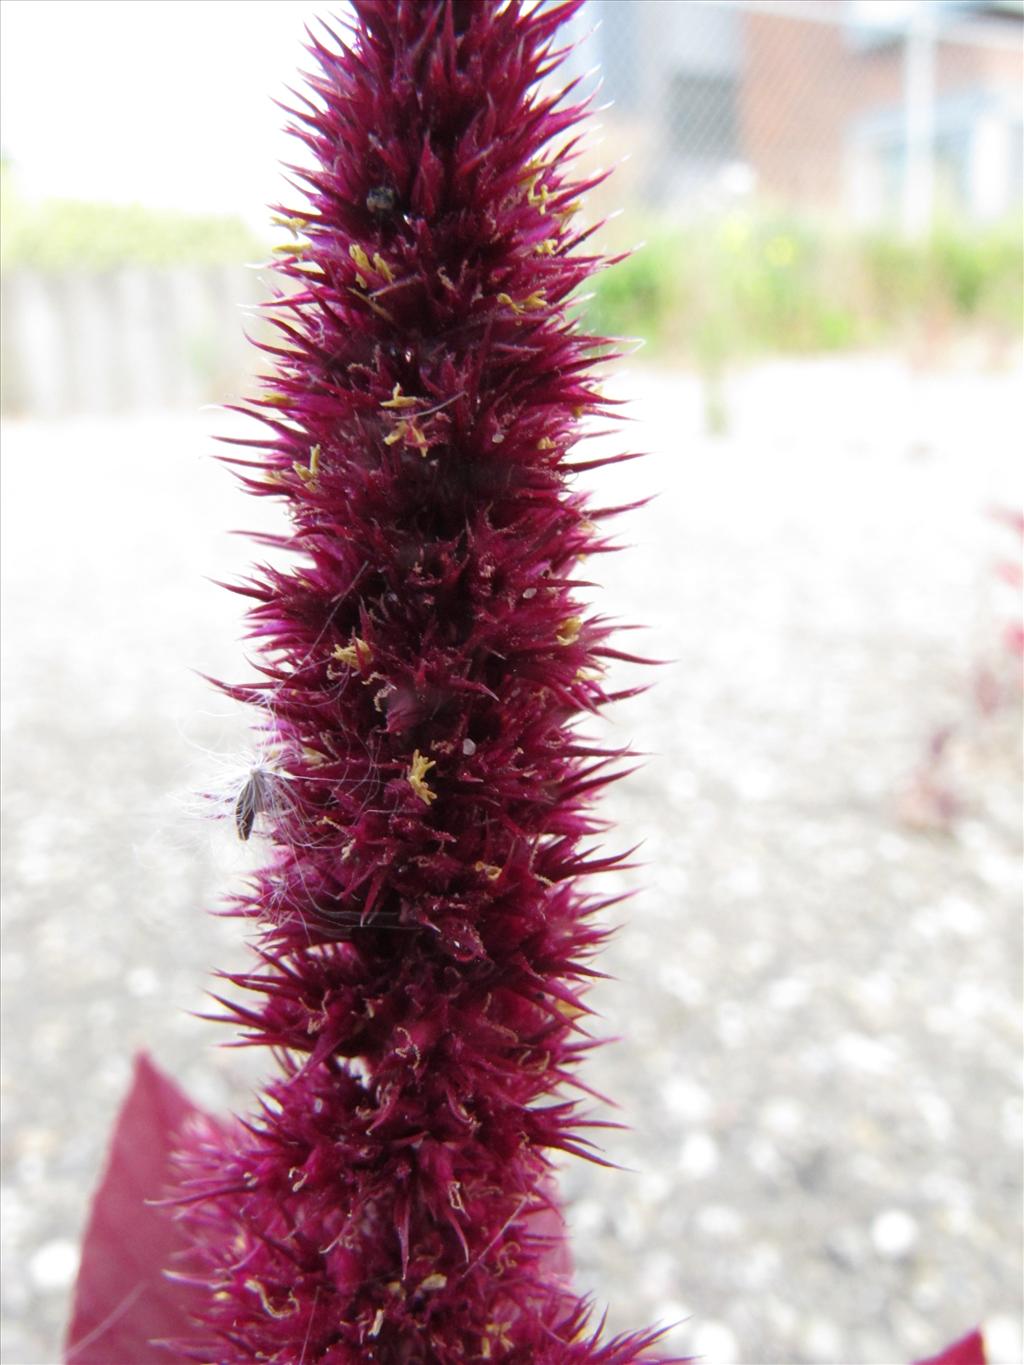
(257, 797)
(381, 201)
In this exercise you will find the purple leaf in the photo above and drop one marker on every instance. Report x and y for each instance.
(123, 1301)
(969, 1350)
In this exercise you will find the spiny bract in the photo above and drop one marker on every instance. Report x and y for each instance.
(424, 663)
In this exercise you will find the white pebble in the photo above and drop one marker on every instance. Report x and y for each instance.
(719, 1220)
(716, 1343)
(893, 1233)
(858, 1052)
(54, 1265)
(1003, 1339)
(143, 981)
(686, 1100)
(698, 1156)
(821, 1340)
(788, 993)
(783, 1116)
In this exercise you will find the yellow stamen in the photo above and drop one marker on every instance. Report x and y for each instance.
(361, 259)
(415, 437)
(534, 300)
(268, 1307)
(399, 400)
(416, 775)
(569, 630)
(355, 654)
(539, 196)
(377, 308)
(295, 223)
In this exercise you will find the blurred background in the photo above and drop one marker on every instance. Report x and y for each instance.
(817, 984)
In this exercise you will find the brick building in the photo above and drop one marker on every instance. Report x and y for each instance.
(880, 111)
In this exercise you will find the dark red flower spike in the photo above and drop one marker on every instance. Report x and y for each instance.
(424, 943)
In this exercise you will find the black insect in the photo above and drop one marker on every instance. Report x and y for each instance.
(381, 200)
(260, 794)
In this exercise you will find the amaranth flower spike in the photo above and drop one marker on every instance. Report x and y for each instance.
(424, 944)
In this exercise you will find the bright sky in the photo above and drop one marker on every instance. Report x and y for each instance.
(163, 102)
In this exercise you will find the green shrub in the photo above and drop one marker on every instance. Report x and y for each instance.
(755, 284)
(63, 235)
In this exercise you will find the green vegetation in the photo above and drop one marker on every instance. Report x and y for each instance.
(64, 235)
(747, 285)
(707, 293)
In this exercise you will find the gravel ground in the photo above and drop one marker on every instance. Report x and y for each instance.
(818, 997)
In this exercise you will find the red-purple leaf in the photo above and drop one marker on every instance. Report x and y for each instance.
(123, 1302)
(969, 1350)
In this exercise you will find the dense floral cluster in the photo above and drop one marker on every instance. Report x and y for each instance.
(424, 942)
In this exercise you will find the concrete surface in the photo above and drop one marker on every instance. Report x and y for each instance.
(818, 984)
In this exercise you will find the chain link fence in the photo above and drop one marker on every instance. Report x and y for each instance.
(748, 136)
(878, 114)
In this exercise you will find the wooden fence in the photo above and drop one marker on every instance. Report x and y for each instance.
(134, 339)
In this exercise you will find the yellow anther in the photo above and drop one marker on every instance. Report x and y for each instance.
(382, 268)
(588, 674)
(546, 248)
(545, 443)
(399, 400)
(308, 473)
(409, 432)
(535, 300)
(415, 437)
(569, 630)
(361, 259)
(268, 1307)
(539, 196)
(295, 223)
(435, 1281)
(568, 1010)
(416, 775)
(492, 872)
(378, 308)
(355, 654)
